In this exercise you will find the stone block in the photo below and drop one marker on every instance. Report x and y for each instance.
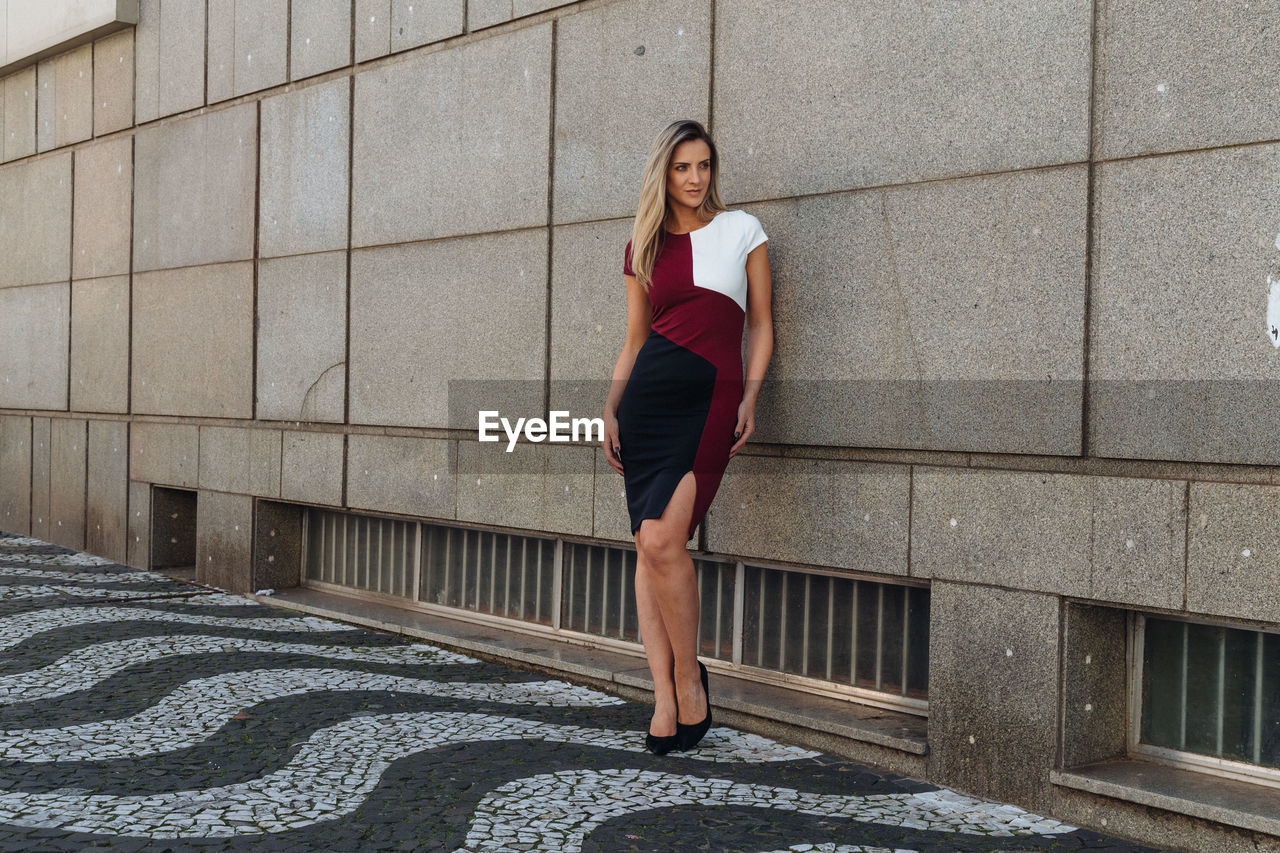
(1181, 74)
(1095, 684)
(403, 475)
(438, 325)
(35, 221)
(100, 344)
(68, 463)
(303, 189)
(320, 37)
(65, 104)
(610, 504)
(302, 335)
(15, 474)
(169, 57)
(194, 189)
(1105, 538)
(894, 327)
(1172, 374)
(827, 512)
(140, 525)
(164, 453)
(224, 541)
(415, 23)
(113, 82)
(373, 29)
(621, 68)
(193, 341)
(906, 93)
(277, 553)
(248, 46)
(34, 331)
(520, 8)
(40, 463)
(993, 679)
(454, 141)
(487, 13)
(19, 114)
(241, 460)
(535, 487)
(102, 209)
(107, 492)
(1233, 551)
(311, 467)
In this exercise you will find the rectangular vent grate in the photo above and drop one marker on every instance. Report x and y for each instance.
(360, 551)
(501, 574)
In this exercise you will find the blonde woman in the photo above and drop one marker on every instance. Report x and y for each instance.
(678, 408)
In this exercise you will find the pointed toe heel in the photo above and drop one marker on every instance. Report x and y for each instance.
(690, 734)
(661, 745)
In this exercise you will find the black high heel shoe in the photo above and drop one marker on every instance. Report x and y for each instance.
(662, 744)
(689, 735)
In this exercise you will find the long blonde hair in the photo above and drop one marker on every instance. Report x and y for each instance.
(651, 212)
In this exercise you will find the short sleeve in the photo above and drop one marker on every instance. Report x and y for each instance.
(755, 233)
(626, 260)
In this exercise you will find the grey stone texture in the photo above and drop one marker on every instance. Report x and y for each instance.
(194, 189)
(487, 13)
(174, 516)
(373, 29)
(35, 221)
(888, 93)
(415, 23)
(100, 344)
(19, 91)
(303, 189)
(15, 474)
(994, 655)
(113, 82)
(1106, 538)
(140, 525)
(453, 141)
(68, 464)
(164, 453)
(241, 460)
(64, 106)
(826, 512)
(611, 519)
(311, 467)
(320, 37)
(401, 474)
(302, 335)
(1233, 551)
(170, 57)
(1095, 680)
(40, 461)
(1181, 359)
(224, 540)
(102, 209)
(650, 56)
(248, 46)
(535, 486)
(893, 326)
(433, 323)
(1183, 74)
(34, 331)
(193, 341)
(107, 490)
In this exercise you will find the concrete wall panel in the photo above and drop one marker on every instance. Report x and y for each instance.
(168, 454)
(106, 511)
(140, 525)
(246, 461)
(535, 487)
(102, 209)
(40, 463)
(193, 341)
(65, 105)
(373, 29)
(611, 520)
(410, 476)
(487, 13)
(113, 82)
(35, 221)
(415, 23)
(170, 54)
(257, 31)
(1182, 358)
(311, 467)
(612, 99)
(303, 192)
(454, 141)
(425, 314)
(19, 115)
(320, 37)
(222, 50)
(35, 325)
(194, 190)
(15, 474)
(1233, 551)
(887, 93)
(100, 345)
(224, 540)
(68, 471)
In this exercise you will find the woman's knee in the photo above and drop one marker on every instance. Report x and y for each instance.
(658, 544)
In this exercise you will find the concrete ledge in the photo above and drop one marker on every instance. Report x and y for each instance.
(1225, 801)
(834, 725)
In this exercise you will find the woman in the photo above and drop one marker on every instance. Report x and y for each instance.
(677, 409)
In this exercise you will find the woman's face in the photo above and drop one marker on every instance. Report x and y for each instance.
(689, 175)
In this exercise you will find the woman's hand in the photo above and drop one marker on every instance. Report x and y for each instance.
(746, 425)
(612, 447)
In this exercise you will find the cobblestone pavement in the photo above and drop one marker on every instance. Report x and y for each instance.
(138, 713)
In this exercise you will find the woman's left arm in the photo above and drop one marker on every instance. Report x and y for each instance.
(759, 341)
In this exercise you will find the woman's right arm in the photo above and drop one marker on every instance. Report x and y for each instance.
(639, 315)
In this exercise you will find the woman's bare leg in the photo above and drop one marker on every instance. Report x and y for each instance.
(657, 648)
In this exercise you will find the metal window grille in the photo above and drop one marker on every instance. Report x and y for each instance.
(486, 571)
(1209, 691)
(360, 551)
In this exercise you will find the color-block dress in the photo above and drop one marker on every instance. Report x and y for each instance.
(680, 405)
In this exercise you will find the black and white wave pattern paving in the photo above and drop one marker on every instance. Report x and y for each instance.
(194, 720)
